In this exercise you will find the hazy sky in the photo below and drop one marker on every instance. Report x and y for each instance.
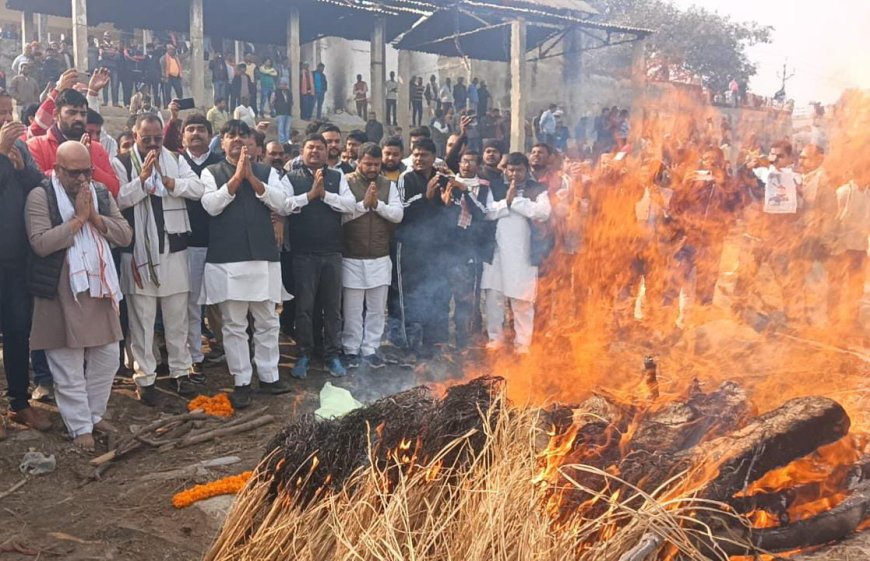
(826, 42)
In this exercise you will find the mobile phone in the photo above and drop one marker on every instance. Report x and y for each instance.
(186, 103)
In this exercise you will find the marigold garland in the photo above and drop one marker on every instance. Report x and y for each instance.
(230, 485)
(218, 405)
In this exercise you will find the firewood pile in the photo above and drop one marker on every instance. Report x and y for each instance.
(471, 476)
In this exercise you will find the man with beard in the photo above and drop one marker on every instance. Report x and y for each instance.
(332, 135)
(155, 268)
(70, 114)
(242, 271)
(366, 264)
(71, 222)
(471, 242)
(196, 133)
(424, 292)
(323, 195)
(513, 273)
(275, 156)
(392, 150)
(493, 150)
(355, 139)
(18, 176)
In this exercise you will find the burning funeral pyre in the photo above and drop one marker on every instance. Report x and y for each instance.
(470, 476)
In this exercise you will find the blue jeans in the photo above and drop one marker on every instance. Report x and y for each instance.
(41, 371)
(320, 97)
(220, 90)
(284, 123)
(265, 99)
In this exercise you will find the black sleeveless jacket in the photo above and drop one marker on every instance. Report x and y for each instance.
(43, 273)
(243, 231)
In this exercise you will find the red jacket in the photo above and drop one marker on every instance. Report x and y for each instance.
(44, 151)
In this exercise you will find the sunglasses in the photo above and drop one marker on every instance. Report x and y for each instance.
(76, 173)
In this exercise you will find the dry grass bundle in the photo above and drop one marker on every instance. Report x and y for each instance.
(476, 499)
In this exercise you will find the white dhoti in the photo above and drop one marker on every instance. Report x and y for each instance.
(82, 384)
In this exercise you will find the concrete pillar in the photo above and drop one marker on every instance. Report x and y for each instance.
(295, 56)
(379, 71)
(238, 52)
(42, 28)
(28, 30)
(197, 54)
(572, 73)
(80, 34)
(405, 74)
(147, 37)
(518, 85)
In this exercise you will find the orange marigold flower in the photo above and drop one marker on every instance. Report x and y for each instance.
(227, 486)
(218, 405)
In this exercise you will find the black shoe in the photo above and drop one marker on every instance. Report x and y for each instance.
(197, 376)
(184, 386)
(374, 361)
(147, 395)
(408, 360)
(350, 361)
(241, 397)
(275, 388)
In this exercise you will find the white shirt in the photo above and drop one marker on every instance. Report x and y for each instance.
(363, 274)
(245, 114)
(110, 144)
(247, 281)
(511, 272)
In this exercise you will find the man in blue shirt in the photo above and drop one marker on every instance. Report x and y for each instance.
(320, 87)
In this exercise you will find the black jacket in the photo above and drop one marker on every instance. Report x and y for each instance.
(14, 188)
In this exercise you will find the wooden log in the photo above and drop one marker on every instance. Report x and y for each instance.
(190, 440)
(772, 440)
(831, 525)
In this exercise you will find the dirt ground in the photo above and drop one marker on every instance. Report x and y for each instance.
(64, 515)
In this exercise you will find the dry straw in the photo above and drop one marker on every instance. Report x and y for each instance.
(489, 508)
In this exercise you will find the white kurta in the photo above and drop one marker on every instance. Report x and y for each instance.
(511, 272)
(174, 267)
(364, 274)
(247, 281)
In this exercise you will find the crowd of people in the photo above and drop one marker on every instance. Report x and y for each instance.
(362, 248)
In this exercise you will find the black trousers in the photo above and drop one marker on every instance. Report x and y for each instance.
(318, 275)
(288, 309)
(391, 112)
(16, 310)
(464, 287)
(425, 296)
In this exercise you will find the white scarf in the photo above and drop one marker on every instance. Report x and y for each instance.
(89, 258)
(146, 247)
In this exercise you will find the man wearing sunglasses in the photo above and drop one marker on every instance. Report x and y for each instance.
(154, 269)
